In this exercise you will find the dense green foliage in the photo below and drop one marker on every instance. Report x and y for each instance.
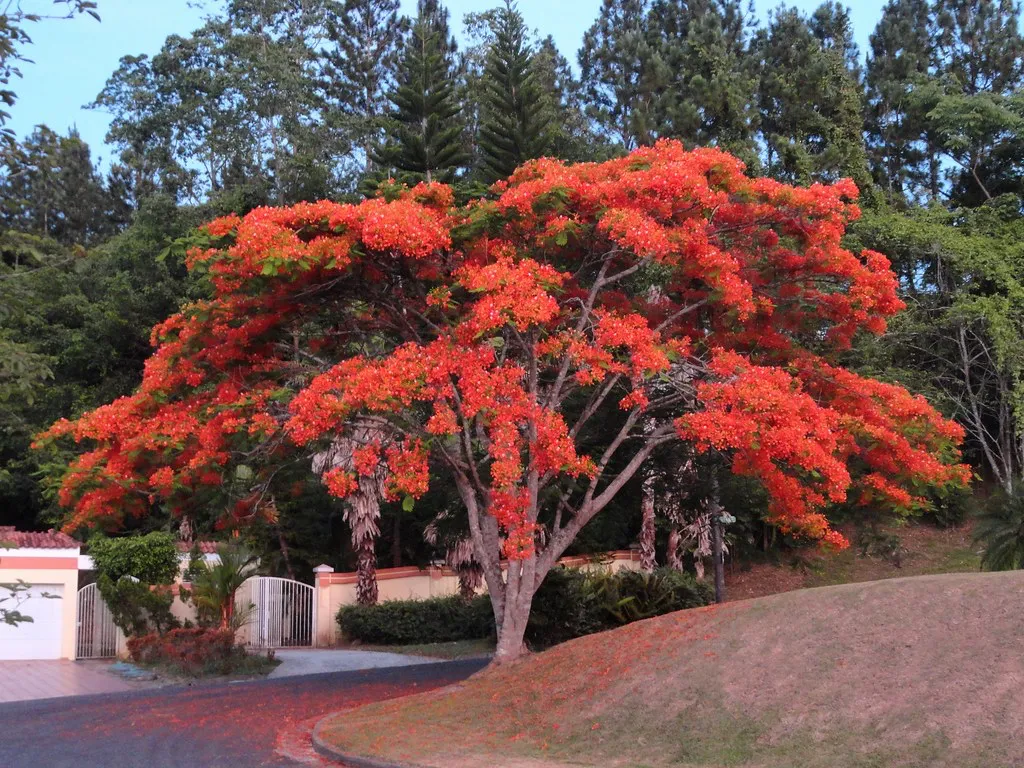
(1000, 527)
(406, 622)
(137, 608)
(570, 603)
(573, 603)
(132, 574)
(152, 558)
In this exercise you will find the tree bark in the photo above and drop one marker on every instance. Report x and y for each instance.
(363, 520)
(717, 550)
(648, 561)
(674, 556)
(516, 611)
(366, 579)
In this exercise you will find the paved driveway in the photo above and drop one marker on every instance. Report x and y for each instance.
(21, 680)
(219, 725)
(314, 660)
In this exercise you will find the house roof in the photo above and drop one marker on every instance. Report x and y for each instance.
(50, 539)
(205, 547)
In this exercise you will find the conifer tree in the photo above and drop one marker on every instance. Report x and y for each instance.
(367, 36)
(979, 45)
(425, 139)
(810, 103)
(515, 114)
(622, 74)
(570, 135)
(710, 80)
(902, 56)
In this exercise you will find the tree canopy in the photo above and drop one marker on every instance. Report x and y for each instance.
(665, 295)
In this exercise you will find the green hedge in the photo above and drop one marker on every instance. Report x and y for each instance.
(570, 603)
(405, 622)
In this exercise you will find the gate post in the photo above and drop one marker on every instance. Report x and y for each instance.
(324, 634)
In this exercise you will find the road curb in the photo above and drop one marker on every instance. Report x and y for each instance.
(328, 750)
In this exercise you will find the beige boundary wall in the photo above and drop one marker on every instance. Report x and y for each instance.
(334, 590)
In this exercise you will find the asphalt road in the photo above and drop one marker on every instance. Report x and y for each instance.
(216, 725)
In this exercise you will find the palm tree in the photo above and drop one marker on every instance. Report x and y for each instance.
(1000, 527)
(459, 554)
(362, 509)
(214, 585)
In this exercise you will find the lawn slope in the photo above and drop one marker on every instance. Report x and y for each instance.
(922, 671)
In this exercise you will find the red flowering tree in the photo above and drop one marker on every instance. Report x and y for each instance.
(535, 348)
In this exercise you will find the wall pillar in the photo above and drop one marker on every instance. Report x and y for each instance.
(325, 634)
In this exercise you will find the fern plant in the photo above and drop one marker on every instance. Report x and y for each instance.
(1000, 527)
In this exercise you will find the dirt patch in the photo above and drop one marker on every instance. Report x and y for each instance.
(906, 672)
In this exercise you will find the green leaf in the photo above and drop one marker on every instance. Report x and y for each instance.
(408, 503)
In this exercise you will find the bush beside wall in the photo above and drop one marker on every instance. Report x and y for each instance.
(406, 622)
(570, 603)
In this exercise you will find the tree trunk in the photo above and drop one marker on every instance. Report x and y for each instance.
(717, 550)
(363, 519)
(512, 628)
(284, 554)
(468, 582)
(396, 542)
(716, 528)
(674, 556)
(647, 555)
(366, 577)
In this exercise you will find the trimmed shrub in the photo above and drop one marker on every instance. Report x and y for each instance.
(407, 622)
(194, 652)
(152, 558)
(133, 572)
(137, 608)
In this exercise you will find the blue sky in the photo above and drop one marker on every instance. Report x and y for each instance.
(74, 58)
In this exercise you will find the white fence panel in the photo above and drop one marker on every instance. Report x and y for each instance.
(279, 613)
(96, 635)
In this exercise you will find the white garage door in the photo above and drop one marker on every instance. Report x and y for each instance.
(39, 638)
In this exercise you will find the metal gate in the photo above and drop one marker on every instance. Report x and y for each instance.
(278, 613)
(96, 635)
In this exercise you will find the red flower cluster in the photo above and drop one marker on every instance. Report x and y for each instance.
(484, 337)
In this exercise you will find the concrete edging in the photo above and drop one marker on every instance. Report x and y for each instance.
(331, 752)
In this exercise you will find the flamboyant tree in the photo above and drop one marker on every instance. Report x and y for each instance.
(512, 347)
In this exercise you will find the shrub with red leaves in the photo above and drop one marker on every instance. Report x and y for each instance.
(193, 652)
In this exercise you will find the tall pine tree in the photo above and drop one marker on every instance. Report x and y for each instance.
(709, 77)
(367, 39)
(515, 113)
(425, 136)
(570, 134)
(979, 44)
(810, 103)
(902, 56)
(622, 74)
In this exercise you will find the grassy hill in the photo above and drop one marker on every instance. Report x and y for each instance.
(922, 671)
